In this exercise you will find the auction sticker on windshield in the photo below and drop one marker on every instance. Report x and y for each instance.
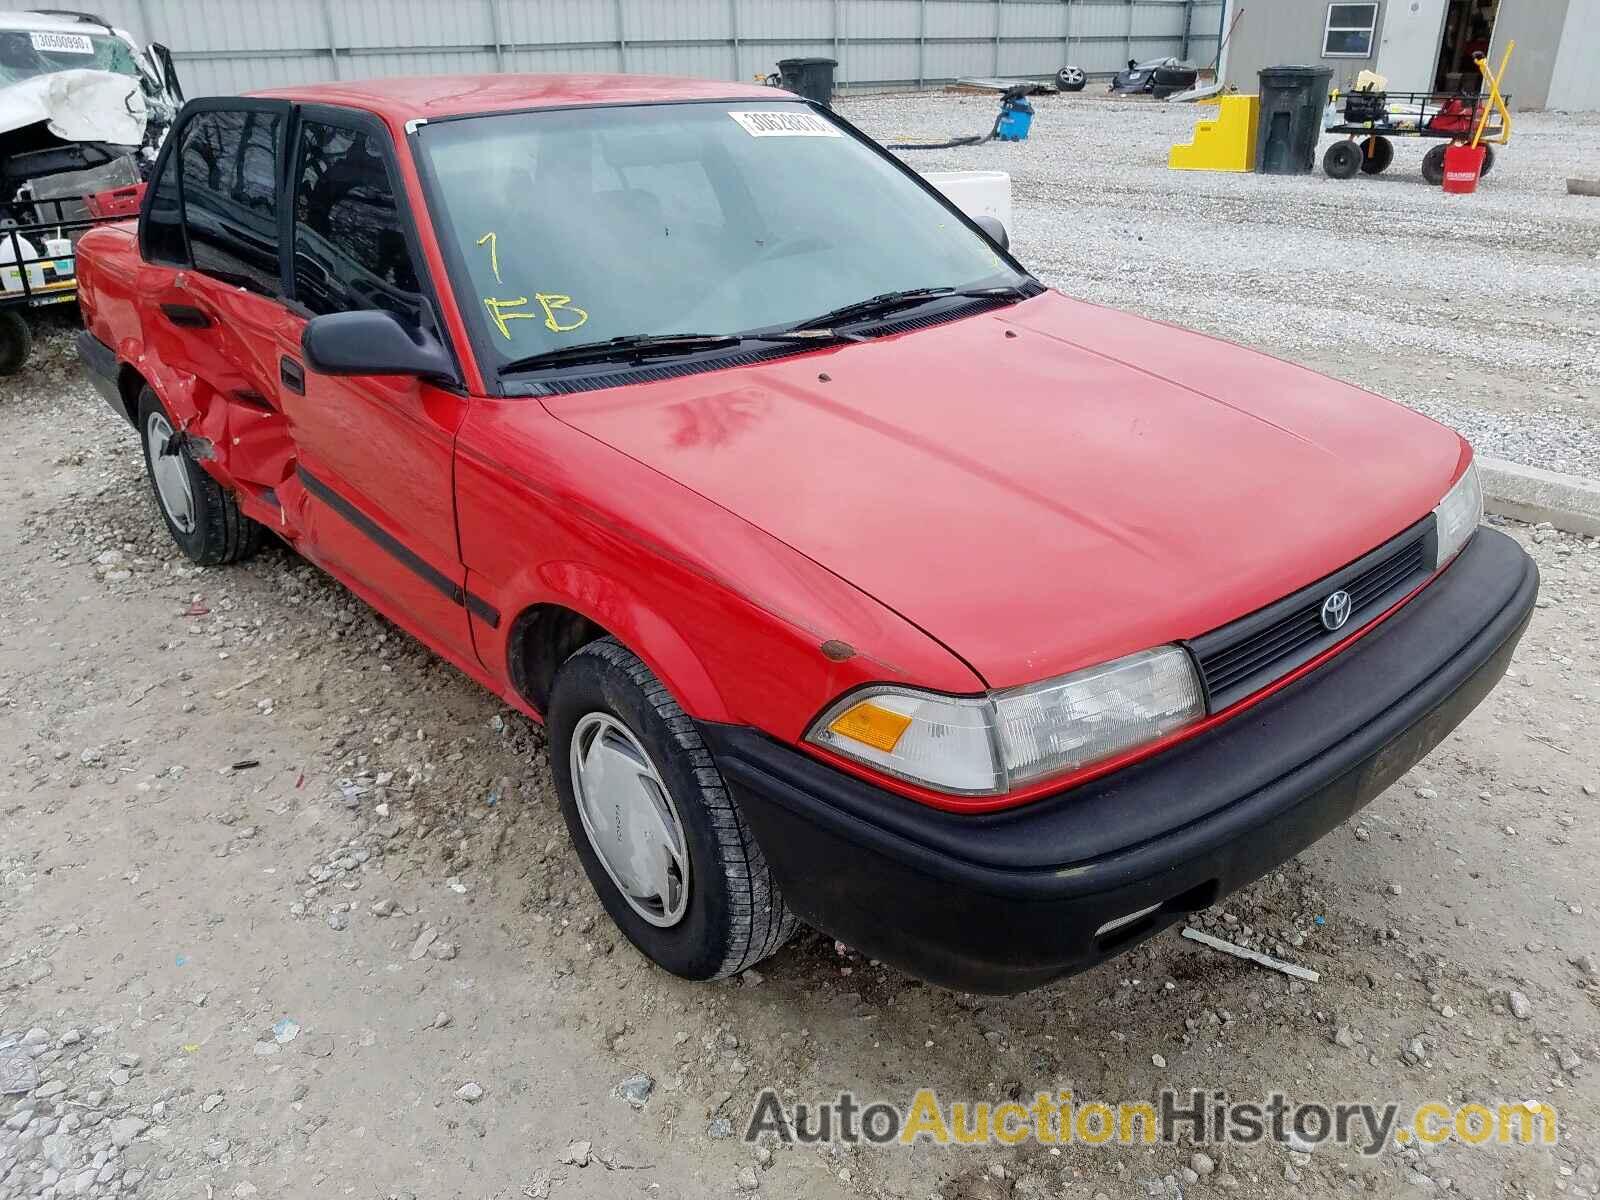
(61, 43)
(784, 124)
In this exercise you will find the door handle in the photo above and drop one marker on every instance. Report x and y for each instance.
(186, 315)
(292, 374)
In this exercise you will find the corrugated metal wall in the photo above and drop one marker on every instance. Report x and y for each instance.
(228, 46)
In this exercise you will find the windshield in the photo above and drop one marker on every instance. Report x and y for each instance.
(26, 53)
(575, 226)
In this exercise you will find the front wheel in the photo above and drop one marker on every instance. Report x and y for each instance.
(1342, 160)
(1488, 159)
(657, 830)
(201, 515)
(1433, 165)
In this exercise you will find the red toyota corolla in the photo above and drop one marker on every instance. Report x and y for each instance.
(858, 577)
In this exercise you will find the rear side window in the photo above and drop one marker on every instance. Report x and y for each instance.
(163, 219)
(230, 200)
(350, 249)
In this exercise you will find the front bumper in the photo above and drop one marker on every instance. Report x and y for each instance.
(1005, 901)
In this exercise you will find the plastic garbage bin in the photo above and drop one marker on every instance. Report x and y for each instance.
(1292, 102)
(809, 77)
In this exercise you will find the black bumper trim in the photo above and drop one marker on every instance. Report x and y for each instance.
(1005, 901)
(100, 360)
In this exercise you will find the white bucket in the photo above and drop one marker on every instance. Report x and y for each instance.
(976, 193)
(10, 275)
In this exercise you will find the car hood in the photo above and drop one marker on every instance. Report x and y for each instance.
(1048, 485)
(80, 105)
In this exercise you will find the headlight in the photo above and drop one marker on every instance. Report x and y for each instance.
(1459, 514)
(986, 745)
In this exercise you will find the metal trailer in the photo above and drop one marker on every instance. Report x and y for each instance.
(38, 258)
(1371, 119)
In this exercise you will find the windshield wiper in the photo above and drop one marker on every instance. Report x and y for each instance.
(635, 347)
(888, 302)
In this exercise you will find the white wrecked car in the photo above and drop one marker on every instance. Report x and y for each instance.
(83, 110)
(82, 107)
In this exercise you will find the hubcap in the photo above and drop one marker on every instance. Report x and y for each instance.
(171, 474)
(630, 818)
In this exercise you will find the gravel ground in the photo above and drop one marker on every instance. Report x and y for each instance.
(1482, 311)
(288, 910)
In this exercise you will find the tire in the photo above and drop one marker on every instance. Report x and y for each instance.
(1376, 155)
(16, 341)
(210, 530)
(1488, 159)
(1433, 165)
(731, 914)
(1071, 79)
(1342, 160)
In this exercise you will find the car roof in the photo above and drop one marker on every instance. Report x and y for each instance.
(50, 23)
(427, 97)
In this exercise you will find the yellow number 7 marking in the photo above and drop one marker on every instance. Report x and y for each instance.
(494, 255)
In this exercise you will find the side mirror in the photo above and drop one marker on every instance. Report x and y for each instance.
(370, 341)
(995, 229)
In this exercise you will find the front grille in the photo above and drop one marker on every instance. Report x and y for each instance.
(1255, 651)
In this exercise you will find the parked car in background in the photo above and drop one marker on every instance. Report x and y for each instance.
(1158, 77)
(857, 577)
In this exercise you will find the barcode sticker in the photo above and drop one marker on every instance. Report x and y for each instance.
(792, 123)
(61, 43)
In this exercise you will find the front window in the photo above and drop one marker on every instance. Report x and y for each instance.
(577, 226)
(25, 53)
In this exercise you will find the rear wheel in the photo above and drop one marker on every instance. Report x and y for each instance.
(1433, 165)
(1342, 160)
(16, 341)
(1376, 155)
(657, 830)
(201, 515)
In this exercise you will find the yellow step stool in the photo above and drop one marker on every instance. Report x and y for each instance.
(1226, 142)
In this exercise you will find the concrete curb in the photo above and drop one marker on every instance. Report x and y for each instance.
(1569, 502)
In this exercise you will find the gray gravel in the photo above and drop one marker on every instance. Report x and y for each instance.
(1482, 311)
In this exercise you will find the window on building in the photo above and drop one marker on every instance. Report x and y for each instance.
(350, 249)
(230, 196)
(1349, 31)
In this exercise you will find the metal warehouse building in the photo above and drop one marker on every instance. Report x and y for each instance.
(229, 46)
(1421, 45)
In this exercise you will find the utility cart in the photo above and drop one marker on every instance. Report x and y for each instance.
(38, 258)
(1369, 119)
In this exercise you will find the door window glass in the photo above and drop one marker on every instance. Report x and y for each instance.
(230, 198)
(350, 249)
(163, 219)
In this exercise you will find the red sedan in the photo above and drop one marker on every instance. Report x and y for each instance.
(858, 577)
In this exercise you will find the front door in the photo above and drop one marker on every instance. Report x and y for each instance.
(374, 469)
(1408, 51)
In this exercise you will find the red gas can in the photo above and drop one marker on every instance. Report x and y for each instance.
(1462, 166)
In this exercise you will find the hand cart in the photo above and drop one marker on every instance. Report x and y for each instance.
(38, 241)
(1371, 118)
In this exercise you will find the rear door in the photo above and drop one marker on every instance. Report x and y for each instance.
(374, 453)
(210, 242)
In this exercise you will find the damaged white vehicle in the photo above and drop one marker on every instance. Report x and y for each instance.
(83, 111)
(82, 107)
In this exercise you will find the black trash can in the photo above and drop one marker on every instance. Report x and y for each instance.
(1292, 104)
(809, 77)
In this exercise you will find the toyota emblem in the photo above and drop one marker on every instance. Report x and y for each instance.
(1336, 610)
